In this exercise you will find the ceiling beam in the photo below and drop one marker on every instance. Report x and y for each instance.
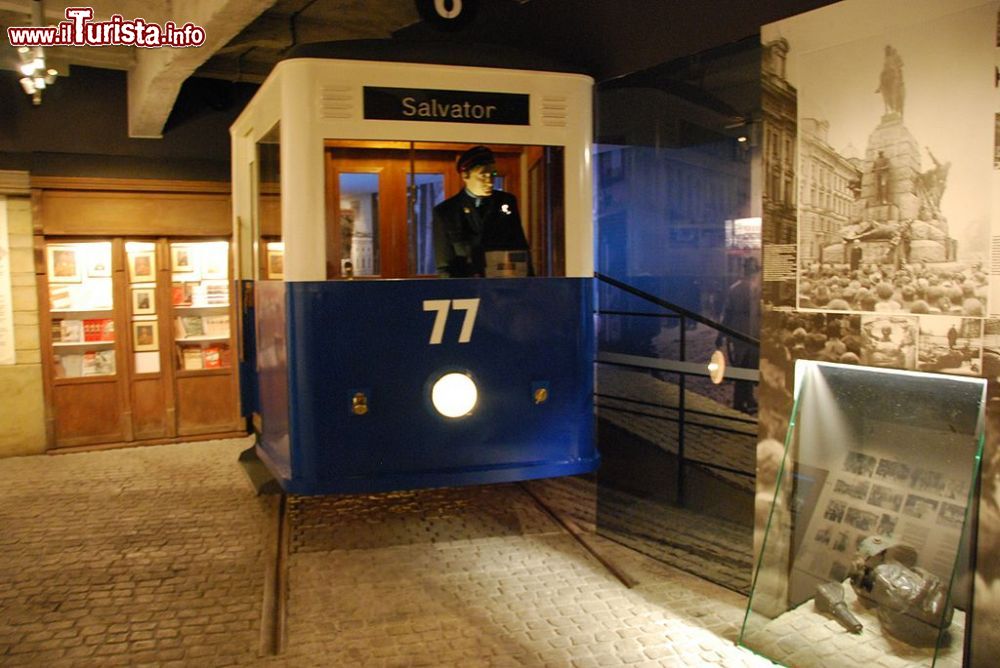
(155, 80)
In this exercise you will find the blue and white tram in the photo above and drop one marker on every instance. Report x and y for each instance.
(362, 370)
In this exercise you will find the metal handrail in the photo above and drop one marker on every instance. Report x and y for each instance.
(681, 367)
(697, 317)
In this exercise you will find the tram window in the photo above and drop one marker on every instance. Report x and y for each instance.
(428, 192)
(380, 197)
(359, 224)
(268, 211)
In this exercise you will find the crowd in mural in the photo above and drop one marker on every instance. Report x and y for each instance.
(917, 288)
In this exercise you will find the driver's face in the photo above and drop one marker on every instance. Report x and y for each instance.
(479, 180)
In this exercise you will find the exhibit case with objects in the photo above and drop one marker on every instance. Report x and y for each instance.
(867, 544)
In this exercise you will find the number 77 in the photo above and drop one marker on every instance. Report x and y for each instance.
(471, 308)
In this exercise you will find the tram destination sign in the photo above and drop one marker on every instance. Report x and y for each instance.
(445, 106)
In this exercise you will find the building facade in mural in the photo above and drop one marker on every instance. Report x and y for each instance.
(778, 128)
(826, 196)
(778, 102)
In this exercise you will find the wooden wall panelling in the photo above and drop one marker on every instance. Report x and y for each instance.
(136, 214)
(87, 411)
(149, 397)
(119, 284)
(207, 402)
(45, 337)
(165, 320)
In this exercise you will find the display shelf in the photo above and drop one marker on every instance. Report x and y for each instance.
(214, 308)
(81, 311)
(194, 373)
(83, 380)
(85, 274)
(84, 364)
(83, 344)
(203, 356)
(201, 307)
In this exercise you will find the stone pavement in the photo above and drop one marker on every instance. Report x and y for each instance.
(160, 556)
(735, 448)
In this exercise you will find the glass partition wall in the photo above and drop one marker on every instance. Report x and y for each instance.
(678, 223)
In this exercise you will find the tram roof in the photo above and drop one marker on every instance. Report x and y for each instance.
(433, 53)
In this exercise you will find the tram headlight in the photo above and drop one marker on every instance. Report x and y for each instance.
(454, 394)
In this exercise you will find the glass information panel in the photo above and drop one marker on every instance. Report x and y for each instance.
(867, 529)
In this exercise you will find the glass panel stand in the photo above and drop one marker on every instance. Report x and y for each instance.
(869, 520)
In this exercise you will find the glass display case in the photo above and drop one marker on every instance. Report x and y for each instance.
(82, 309)
(867, 520)
(200, 301)
(137, 340)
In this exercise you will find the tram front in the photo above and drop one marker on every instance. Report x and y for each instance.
(361, 368)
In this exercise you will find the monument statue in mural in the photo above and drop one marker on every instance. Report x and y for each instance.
(898, 217)
(880, 169)
(930, 187)
(890, 82)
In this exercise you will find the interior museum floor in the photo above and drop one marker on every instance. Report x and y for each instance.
(164, 555)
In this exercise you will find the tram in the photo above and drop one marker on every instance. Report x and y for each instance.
(362, 370)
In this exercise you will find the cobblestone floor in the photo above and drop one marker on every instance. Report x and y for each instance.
(157, 556)
(146, 555)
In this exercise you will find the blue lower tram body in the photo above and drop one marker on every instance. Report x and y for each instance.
(322, 345)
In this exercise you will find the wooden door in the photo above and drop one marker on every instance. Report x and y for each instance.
(80, 283)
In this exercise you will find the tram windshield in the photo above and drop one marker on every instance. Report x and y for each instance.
(381, 196)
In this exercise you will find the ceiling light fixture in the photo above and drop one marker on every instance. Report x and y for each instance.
(36, 75)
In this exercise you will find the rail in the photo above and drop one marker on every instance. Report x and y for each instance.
(684, 416)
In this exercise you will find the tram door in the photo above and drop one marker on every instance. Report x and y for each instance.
(379, 204)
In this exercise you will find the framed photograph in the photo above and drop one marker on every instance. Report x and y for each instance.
(142, 267)
(144, 336)
(143, 301)
(99, 264)
(275, 264)
(181, 258)
(215, 261)
(64, 264)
